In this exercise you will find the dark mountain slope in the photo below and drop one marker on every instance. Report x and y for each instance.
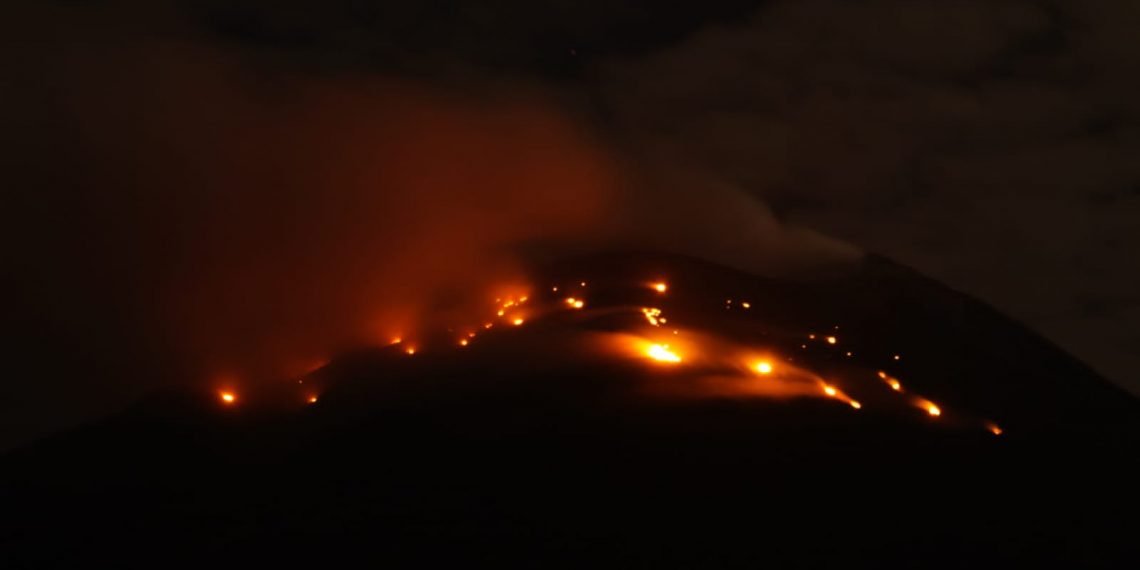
(536, 445)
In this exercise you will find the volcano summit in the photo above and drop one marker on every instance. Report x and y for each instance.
(623, 409)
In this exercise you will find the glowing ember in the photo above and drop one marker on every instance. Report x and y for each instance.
(227, 397)
(830, 390)
(652, 315)
(517, 321)
(410, 350)
(575, 303)
(832, 340)
(312, 399)
(501, 312)
(555, 289)
(855, 405)
(892, 382)
(463, 342)
(488, 325)
(764, 367)
(471, 335)
(897, 357)
(660, 287)
(932, 409)
(661, 353)
(746, 305)
(994, 429)
(583, 283)
(396, 340)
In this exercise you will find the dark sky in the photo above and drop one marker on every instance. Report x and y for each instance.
(990, 144)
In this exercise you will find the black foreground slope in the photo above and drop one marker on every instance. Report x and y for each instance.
(515, 452)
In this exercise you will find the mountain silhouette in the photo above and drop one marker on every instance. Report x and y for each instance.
(874, 419)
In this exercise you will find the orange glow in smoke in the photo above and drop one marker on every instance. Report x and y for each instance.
(228, 398)
(660, 287)
(462, 342)
(830, 390)
(410, 350)
(396, 340)
(764, 367)
(575, 303)
(855, 405)
(517, 321)
(312, 399)
(994, 429)
(661, 353)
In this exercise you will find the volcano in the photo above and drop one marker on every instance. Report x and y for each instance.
(626, 409)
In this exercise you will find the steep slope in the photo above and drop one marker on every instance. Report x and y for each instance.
(724, 434)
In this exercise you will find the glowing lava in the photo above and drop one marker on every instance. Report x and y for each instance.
(661, 353)
(653, 316)
(892, 382)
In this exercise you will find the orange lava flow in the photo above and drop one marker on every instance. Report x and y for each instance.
(661, 353)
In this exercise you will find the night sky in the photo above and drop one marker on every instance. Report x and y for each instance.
(989, 144)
